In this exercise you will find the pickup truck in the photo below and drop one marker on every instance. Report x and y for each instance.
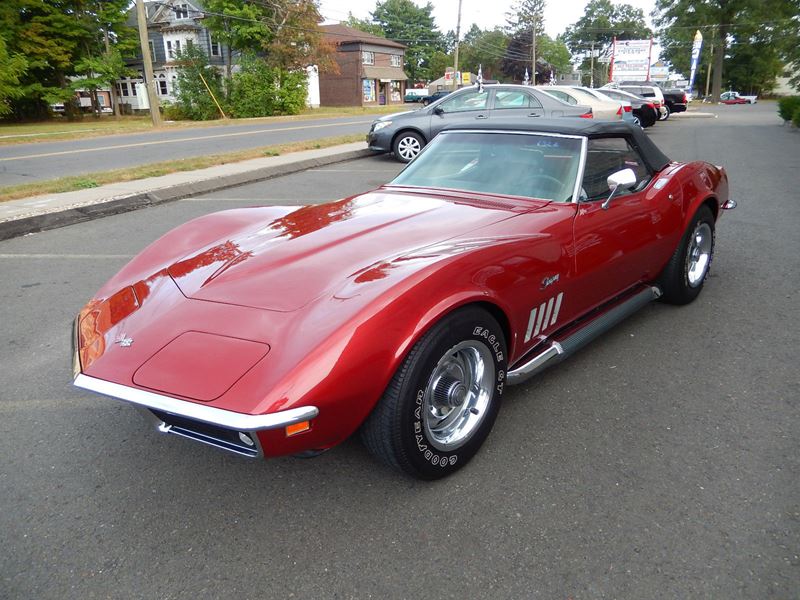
(732, 97)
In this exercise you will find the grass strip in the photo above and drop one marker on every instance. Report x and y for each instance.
(62, 130)
(92, 180)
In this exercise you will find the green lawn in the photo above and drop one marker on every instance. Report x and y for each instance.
(60, 129)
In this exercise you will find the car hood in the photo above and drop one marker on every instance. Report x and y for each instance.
(393, 116)
(283, 263)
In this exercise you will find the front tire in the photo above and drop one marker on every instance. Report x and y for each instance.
(665, 115)
(407, 145)
(683, 278)
(443, 400)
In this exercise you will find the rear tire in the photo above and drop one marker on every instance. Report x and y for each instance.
(443, 400)
(683, 278)
(667, 112)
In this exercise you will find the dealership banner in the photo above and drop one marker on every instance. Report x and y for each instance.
(696, 46)
(630, 60)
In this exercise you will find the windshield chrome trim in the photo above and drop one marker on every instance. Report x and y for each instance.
(199, 412)
(576, 193)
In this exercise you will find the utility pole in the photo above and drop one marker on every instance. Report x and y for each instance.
(533, 50)
(591, 67)
(150, 82)
(458, 37)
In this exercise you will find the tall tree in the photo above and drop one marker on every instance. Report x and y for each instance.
(594, 32)
(12, 67)
(364, 25)
(485, 49)
(412, 25)
(727, 25)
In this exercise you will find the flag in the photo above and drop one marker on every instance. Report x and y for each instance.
(480, 78)
(696, 46)
(527, 79)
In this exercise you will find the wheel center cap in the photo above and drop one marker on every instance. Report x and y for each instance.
(456, 394)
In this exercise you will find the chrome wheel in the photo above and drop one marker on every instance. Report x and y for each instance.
(408, 147)
(458, 394)
(698, 258)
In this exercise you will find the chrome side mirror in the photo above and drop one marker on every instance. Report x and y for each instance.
(621, 180)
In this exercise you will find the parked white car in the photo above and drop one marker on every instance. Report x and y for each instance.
(609, 110)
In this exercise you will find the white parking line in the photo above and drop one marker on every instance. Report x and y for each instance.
(68, 256)
(186, 139)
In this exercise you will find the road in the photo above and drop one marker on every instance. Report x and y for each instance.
(662, 461)
(30, 163)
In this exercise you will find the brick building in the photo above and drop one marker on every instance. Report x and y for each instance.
(370, 69)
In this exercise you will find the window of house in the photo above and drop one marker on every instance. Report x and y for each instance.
(367, 58)
(396, 96)
(152, 50)
(368, 90)
(124, 88)
(181, 11)
(173, 48)
(162, 85)
(215, 50)
(397, 60)
(133, 88)
(101, 100)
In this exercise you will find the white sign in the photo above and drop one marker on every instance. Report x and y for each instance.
(630, 60)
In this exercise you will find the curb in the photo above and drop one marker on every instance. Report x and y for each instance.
(116, 205)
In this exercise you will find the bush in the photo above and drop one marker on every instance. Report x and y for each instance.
(259, 90)
(796, 117)
(193, 100)
(172, 112)
(787, 107)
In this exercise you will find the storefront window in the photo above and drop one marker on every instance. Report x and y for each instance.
(369, 90)
(396, 96)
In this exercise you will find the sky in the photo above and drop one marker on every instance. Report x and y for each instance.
(487, 14)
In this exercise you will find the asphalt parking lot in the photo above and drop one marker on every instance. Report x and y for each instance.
(662, 461)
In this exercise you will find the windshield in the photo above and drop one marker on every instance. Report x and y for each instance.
(531, 165)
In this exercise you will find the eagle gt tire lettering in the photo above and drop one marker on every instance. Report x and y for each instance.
(444, 398)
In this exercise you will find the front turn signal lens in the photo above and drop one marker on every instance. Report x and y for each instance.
(296, 428)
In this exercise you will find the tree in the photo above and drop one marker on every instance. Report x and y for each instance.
(405, 22)
(551, 55)
(485, 49)
(197, 86)
(593, 34)
(364, 25)
(727, 25)
(12, 67)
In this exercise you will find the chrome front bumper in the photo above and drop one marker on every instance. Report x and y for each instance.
(224, 429)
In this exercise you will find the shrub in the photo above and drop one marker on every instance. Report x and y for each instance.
(173, 112)
(787, 106)
(259, 90)
(796, 117)
(193, 100)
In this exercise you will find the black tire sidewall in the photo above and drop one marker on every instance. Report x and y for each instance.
(675, 281)
(426, 461)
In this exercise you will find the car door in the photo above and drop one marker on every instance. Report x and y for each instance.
(621, 245)
(458, 107)
(517, 103)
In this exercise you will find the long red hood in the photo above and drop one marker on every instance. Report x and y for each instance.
(286, 262)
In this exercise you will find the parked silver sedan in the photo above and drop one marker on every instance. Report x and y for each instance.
(407, 133)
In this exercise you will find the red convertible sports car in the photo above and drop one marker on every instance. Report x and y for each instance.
(406, 311)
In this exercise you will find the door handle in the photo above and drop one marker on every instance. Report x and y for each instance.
(482, 117)
(534, 115)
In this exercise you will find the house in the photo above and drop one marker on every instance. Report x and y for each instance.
(172, 25)
(370, 69)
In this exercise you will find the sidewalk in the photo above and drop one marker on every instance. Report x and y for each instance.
(39, 213)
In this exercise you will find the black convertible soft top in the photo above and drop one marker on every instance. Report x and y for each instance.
(589, 128)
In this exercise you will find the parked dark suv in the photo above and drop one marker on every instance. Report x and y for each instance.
(406, 133)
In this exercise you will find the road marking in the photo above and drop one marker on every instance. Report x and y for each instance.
(70, 256)
(188, 139)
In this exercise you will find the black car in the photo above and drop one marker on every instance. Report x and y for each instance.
(434, 97)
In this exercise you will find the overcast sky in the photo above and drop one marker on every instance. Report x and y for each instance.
(486, 13)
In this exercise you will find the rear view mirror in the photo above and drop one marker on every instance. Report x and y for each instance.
(621, 180)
